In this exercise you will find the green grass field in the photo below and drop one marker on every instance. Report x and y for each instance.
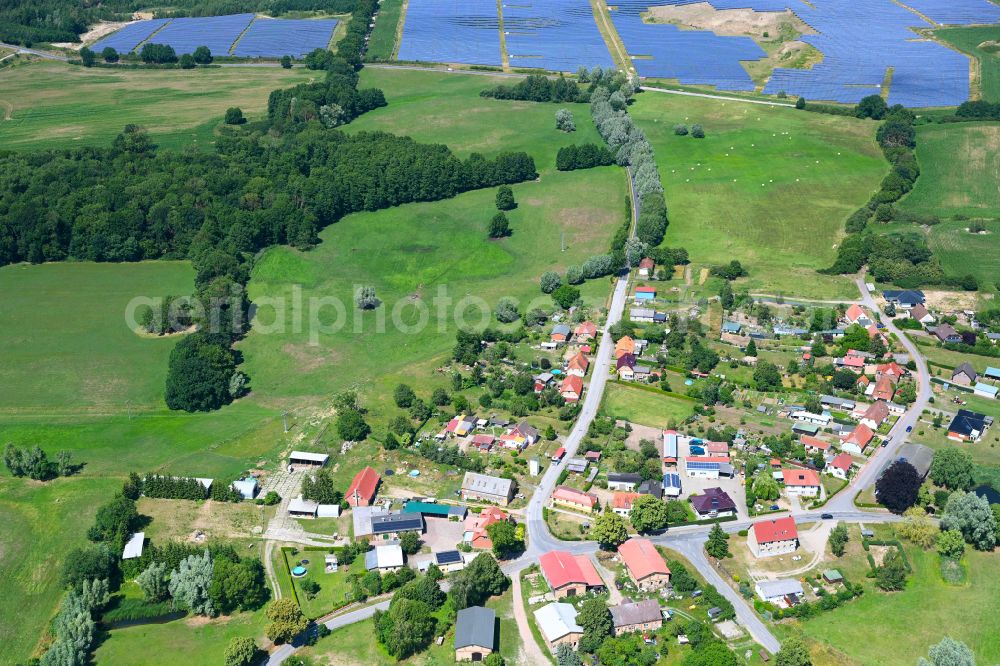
(769, 186)
(961, 252)
(967, 40)
(644, 407)
(959, 170)
(382, 42)
(54, 105)
(928, 603)
(67, 345)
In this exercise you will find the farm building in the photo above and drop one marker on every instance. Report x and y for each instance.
(557, 622)
(783, 592)
(392, 524)
(644, 564)
(475, 633)
(247, 488)
(363, 487)
(623, 481)
(778, 536)
(487, 488)
(630, 616)
(307, 459)
(302, 508)
(569, 575)
(384, 558)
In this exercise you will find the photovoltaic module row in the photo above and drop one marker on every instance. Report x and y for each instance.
(558, 35)
(263, 38)
(459, 31)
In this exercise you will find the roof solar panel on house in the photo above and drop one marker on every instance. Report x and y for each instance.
(448, 557)
(703, 466)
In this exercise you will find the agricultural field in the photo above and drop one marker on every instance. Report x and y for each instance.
(968, 40)
(959, 169)
(738, 193)
(67, 345)
(938, 608)
(54, 105)
(650, 408)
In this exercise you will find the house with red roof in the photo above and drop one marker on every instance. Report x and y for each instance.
(585, 331)
(840, 466)
(875, 415)
(813, 444)
(645, 566)
(475, 533)
(858, 440)
(621, 503)
(574, 499)
(884, 389)
(569, 575)
(777, 536)
(625, 345)
(571, 388)
(717, 449)
(857, 315)
(578, 365)
(483, 441)
(802, 482)
(646, 267)
(892, 369)
(361, 492)
(854, 362)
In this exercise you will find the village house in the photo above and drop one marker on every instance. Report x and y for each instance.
(363, 487)
(631, 616)
(577, 465)
(641, 315)
(857, 440)
(560, 334)
(858, 315)
(905, 299)
(571, 388)
(646, 267)
(840, 466)
(621, 503)
(384, 558)
(569, 575)
(720, 449)
(707, 467)
(884, 389)
(625, 366)
(475, 533)
(392, 524)
(542, 381)
(483, 442)
(487, 488)
(813, 444)
(822, 420)
(672, 484)
(475, 633)
(712, 503)
(585, 331)
(833, 402)
(623, 481)
(644, 564)
(645, 294)
(778, 536)
(892, 370)
(921, 314)
(783, 592)
(527, 431)
(964, 375)
(574, 499)
(876, 414)
(946, 333)
(625, 345)
(802, 482)
(968, 426)
(557, 622)
(578, 365)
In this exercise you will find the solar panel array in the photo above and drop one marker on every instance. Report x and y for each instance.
(130, 36)
(859, 42)
(297, 37)
(459, 31)
(665, 51)
(957, 11)
(218, 33)
(557, 35)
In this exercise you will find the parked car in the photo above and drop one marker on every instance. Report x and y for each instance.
(826, 516)
(909, 428)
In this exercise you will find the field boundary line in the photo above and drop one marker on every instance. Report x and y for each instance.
(711, 96)
(151, 35)
(612, 40)
(504, 56)
(232, 47)
(400, 24)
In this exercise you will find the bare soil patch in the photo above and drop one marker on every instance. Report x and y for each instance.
(729, 22)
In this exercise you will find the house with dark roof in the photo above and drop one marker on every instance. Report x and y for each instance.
(630, 616)
(919, 456)
(876, 414)
(904, 299)
(560, 333)
(391, 525)
(964, 375)
(487, 488)
(476, 631)
(921, 314)
(946, 333)
(713, 502)
(968, 426)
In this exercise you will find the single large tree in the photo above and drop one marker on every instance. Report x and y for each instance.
(190, 582)
(499, 226)
(609, 530)
(918, 527)
(504, 536)
(953, 468)
(241, 651)
(595, 618)
(649, 514)
(949, 652)
(153, 582)
(718, 543)
(971, 515)
(287, 620)
(793, 652)
(898, 487)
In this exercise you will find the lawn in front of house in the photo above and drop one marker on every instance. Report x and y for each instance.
(651, 408)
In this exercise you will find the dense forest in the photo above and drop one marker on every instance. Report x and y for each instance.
(277, 181)
(64, 20)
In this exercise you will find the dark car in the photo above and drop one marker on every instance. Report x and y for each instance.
(826, 516)
(909, 428)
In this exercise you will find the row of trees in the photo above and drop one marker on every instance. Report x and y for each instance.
(539, 88)
(34, 463)
(583, 156)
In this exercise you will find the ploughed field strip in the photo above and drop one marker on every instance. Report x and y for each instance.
(465, 32)
(241, 35)
(557, 35)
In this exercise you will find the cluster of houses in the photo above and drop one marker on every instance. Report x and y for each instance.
(578, 342)
(627, 366)
(481, 433)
